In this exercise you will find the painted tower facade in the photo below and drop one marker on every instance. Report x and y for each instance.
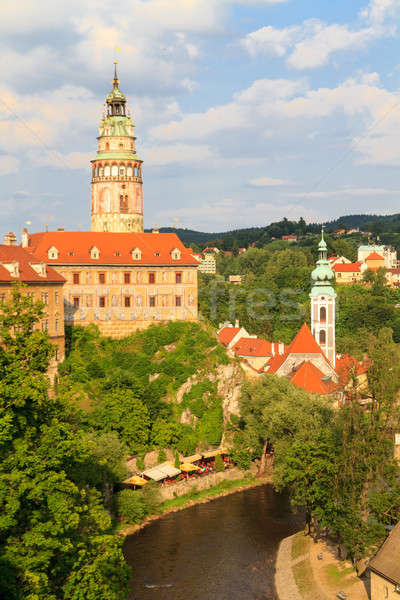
(117, 195)
(323, 304)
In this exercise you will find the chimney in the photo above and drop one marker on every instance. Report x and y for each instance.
(60, 229)
(273, 349)
(10, 239)
(281, 347)
(237, 323)
(25, 238)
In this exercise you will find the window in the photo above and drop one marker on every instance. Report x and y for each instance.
(75, 301)
(178, 277)
(45, 324)
(89, 301)
(102, 301)
(57, 324)
(45, 297)
(102, 278)
(178, 300)
(152, 300)
(75, 278)
(152, 277)
(71, 253)
(57, 298)
(3, 298)
(136, 254)
(322, 314)
(127, 277)
(56, 355)
(322, 336)
(127, 301)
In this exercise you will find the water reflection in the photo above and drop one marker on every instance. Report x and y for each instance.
(222, 550)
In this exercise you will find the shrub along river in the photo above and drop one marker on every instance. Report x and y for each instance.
(221, 550)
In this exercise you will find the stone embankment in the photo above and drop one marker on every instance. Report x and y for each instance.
(198, 483)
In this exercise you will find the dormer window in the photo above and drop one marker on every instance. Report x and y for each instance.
(12, 268)
(94, 253)
(156, 254)
(71, 253)
(176, 254)
(117, 253)
(52, 253)
(40, 268)
(136, 254)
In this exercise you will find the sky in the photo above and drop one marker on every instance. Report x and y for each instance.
(246, 111)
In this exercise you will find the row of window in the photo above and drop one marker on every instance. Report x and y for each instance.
(127, 301)
(114, 171)
(151, 278)
(44, 297)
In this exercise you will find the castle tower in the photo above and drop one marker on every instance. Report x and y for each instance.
(117, 196)
(323, 304)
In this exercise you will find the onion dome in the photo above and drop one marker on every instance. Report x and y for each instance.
(322, 276)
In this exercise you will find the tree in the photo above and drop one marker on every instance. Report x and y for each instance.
(55, 540)
(122, 412)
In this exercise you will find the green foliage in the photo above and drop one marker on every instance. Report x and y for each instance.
(131, 506)
(55, 540)
(219, 464)
(120, 411)
(162, 457)
(177, 461)
(338, 465)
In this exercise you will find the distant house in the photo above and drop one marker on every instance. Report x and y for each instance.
(348, 272)
(235, 279)
(256, 352)
(393, 277)
(339, 232)
(336, 260)
(389, 254)
(384, 568)
(211, 249)
(375, 261)
(289, 238)
(229, 335)
(208, 264)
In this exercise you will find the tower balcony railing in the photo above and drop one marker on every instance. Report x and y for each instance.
(116, 178)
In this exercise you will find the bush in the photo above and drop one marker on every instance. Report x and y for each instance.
(131, 506)
(241, 458)
(162, 457)
(219, 464)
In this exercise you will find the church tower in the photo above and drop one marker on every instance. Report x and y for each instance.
(323, 304)
(117, 196)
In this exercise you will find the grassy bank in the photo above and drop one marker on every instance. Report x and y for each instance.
(224, 488)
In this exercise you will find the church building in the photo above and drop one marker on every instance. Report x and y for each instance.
(116, 275)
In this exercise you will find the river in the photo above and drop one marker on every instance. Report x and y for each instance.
(222, 550)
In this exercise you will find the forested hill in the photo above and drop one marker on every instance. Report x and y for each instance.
(260, 235)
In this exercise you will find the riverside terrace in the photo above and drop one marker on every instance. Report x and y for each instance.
(191, 467)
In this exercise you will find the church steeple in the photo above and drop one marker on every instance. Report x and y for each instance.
(117, 197)
(323, 303)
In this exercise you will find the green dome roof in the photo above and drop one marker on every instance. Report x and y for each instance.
(322, 276)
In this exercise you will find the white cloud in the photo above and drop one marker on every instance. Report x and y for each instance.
(8, 164)
(312, 43)
(378, 10)
(178, 154)
(57, 160)
(268, 182)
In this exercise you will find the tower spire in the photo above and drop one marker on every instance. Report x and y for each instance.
(115, 80)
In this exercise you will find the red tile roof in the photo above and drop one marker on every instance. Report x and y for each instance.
(347, 268)
(27, 273)
(115, 248)
(345, 364)
(304, 343)
(252, 347)
(311, 379)
(374, 256)
(226, 335)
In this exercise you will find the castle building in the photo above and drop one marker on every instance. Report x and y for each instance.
(41, 282)
(323, 304)
(117, 276)
(117, 195)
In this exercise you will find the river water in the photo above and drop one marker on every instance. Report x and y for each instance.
(222, 550)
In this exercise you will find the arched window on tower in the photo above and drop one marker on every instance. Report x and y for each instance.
(114, 171)
(107, 171)
(101, 172)
(322, 336)
(122, 171)
(107, 146)
(129, 171)
(322, 314)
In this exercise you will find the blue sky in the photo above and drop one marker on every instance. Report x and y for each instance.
(246, 111)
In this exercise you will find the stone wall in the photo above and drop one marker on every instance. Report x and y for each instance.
(199, 483)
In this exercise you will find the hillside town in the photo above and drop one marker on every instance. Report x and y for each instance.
(145, 371)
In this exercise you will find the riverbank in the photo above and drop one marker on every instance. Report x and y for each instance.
(308, 570)
(223, 488)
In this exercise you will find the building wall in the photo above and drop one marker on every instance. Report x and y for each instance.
(382, 589)
(293, 360)
(53, 321)
(208, 264)
(348, 277)
(120, 308)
